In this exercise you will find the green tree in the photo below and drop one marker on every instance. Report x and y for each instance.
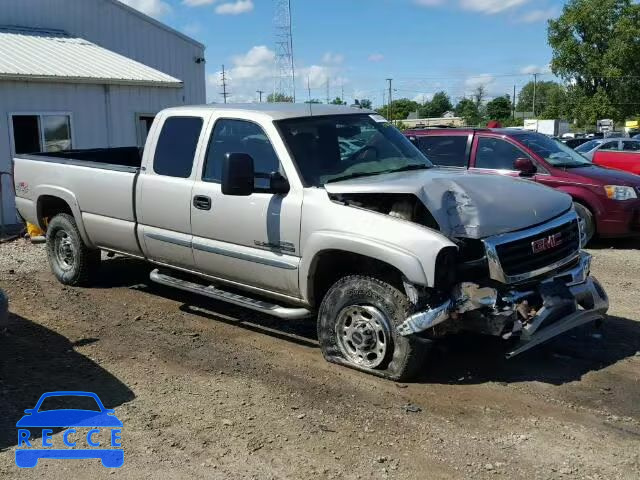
(313, 100)
(467, 109)
(499, 108)
(337, 101)
(439, 104)
(364, 103)
(550, 99)
(596, 50)
(279, 98)
(399, 109)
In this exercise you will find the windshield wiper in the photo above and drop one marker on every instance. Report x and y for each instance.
(408, 168)
(353, 175)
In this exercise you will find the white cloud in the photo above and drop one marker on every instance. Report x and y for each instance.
(333, 58)
(197, 3)
(531, 69)
(376, 57)
(423, 97)
(153, 8)
(429, 3)
(539, 15)
(491, 6)
(257, 63)
(235, 8)
(484, 80)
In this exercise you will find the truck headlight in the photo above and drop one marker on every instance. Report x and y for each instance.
(617, 192)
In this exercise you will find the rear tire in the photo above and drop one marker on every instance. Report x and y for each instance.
(71, 261)
(587, 218)
(357, 324)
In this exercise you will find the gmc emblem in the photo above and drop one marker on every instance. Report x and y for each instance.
(546, 243)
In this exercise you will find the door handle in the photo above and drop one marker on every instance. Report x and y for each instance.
(202, 202)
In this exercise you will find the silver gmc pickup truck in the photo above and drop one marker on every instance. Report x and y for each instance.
(318, 211)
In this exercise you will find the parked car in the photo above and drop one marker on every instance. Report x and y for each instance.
(588, 149)
(606, 200)
(264, 209)
(575, 142)
(626, 159)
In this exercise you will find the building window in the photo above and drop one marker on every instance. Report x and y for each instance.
(41, 133)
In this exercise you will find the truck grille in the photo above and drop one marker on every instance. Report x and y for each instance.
(519, 257)
(526, 254)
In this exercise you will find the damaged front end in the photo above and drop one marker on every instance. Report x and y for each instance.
(528, 298)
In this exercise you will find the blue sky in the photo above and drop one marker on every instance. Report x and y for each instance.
(424, 45)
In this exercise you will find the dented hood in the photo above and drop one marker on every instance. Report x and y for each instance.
(470, 205)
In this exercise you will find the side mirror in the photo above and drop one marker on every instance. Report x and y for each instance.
(278, 184)
(525, 166)
(237, 174)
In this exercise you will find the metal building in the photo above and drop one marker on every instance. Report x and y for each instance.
(86, 74)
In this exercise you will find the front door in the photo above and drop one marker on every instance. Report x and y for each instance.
(249, 240)
(496, 155)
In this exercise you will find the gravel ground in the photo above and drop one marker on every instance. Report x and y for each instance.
(206, 390)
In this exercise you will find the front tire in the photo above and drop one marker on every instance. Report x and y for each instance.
(357, 324)
(71, 261)
(585, 215)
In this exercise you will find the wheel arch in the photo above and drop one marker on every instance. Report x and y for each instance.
(53, 200)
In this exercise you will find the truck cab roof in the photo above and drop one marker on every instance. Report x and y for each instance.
(276, 111)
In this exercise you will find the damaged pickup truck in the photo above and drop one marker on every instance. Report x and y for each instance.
(304, 211)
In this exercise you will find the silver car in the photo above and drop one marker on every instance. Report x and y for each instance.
(609, 144)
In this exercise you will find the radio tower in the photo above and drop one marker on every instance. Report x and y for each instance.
(285, 81)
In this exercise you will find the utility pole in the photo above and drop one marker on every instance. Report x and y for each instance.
(309, 88)
(224, 86)
(260, 92)
(513, 104)
(389, 104)
(342, 92)
(535, 85)
(328, 92)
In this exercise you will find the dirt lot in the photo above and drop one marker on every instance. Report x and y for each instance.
(207, 390)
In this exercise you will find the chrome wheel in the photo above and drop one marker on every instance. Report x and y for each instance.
(64, 250)
(363, 335)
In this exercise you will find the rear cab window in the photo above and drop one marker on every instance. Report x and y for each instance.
(445, 150)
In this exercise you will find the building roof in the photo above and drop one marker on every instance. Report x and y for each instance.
(157, 23)
(281, 111)
(55, 56)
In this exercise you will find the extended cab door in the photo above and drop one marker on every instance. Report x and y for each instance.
(253, 240)
(164, 188)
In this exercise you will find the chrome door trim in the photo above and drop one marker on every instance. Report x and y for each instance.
(245, 256)
(168, 239)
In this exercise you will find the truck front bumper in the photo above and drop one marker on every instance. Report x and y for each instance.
(565, 301)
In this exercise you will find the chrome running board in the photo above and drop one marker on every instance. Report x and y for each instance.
(215, 293)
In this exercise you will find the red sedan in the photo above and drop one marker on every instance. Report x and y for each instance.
(627, 158)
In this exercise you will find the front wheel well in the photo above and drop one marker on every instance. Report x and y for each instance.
(331, 265)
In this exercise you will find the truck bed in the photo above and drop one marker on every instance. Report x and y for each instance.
(103, 201)
(104, 158)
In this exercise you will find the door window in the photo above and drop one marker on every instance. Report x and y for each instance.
(497, 154)
(631, 146)
(240, 136)
(446, 151)
(176, 148)
(610, 146)
(41, 133)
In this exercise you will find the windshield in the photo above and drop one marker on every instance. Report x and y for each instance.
(553, 151)
(587, 147)
(337, 147)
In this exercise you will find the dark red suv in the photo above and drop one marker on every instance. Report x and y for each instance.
(607, 200)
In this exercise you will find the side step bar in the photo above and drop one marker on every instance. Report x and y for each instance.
(234, 298)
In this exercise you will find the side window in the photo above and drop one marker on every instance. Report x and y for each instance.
(497, 154)
(240, 136)
(447, 151)
(176, 148)
(631, 146)
(610, 146)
